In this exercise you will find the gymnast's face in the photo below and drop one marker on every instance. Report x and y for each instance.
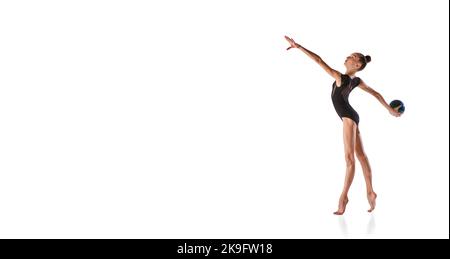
(352, 62)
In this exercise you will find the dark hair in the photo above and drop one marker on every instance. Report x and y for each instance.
(363, 60)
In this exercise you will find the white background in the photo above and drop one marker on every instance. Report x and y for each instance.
(189, 119)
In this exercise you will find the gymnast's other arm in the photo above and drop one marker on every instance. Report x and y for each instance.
(379, 97)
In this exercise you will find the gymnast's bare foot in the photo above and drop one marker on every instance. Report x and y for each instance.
(342, 204)
(371, 197)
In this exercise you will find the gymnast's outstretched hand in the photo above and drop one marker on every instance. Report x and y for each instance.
(291, 42)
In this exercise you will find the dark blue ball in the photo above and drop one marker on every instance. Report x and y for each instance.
(397, 104)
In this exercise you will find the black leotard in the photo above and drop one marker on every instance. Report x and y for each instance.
(340, 94)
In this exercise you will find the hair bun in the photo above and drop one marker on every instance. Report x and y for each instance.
(368, 58)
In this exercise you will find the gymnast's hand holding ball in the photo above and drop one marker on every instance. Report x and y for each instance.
(397, 108)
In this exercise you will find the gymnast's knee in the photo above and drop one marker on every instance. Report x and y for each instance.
(350, 159)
